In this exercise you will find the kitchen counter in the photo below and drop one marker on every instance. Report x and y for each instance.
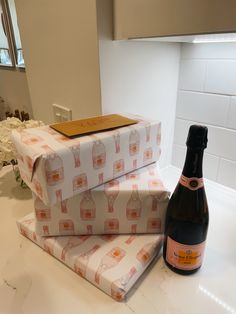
(31, 281)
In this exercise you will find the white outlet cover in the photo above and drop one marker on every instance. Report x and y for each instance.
(61, 113)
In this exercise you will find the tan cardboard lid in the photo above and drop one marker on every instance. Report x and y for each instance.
(92, 125)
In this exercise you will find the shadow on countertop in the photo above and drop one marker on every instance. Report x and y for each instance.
(10, 188)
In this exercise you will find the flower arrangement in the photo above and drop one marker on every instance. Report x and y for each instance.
(7, 149)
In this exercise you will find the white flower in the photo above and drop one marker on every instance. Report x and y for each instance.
(7, 148)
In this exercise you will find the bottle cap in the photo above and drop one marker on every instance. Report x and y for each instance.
(197, 137)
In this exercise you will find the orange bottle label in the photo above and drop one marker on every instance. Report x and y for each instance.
(183, 256)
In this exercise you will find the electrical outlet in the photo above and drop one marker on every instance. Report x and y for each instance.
(61, 114)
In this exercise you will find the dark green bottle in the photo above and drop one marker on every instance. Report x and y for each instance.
(187, 215)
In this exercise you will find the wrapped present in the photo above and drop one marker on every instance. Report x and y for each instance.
(133, 203)
(111, 263)
(54, 166)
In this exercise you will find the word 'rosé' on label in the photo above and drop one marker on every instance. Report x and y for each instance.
(45, 230)
(81, 262)
(110, 260)
(42, 212)
(147, 154)
(118, 167)
(66, 225)
(87, 206)
(134, 205)
(119, 286)
(134, 142)
(153, 225)
(116, 137)
(111, 225)
(98, 154)
(111, 190)
(145, 254)
(30, 139)
(53, 167)
(63, 203)
(71, 243)
(80, 182)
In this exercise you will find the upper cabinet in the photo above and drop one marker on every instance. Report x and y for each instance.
(158, 18)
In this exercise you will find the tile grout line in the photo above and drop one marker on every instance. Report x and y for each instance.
(209, 125)
(205, 92)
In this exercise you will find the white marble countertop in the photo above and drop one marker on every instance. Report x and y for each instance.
(33, 282)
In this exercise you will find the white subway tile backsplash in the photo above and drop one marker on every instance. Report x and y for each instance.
(192, 75)
(181, 131)
(227, 173)
(203, 107)
(210, 166)
(220, 140)
(221, 77)
(207, 95)
(209, 51)
(178, 156)
(231, 121)
(210, 162)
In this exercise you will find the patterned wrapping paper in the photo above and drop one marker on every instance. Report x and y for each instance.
(112, 263)
(57, 168)
(134, 203)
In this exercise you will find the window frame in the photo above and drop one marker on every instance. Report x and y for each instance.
(8, 26)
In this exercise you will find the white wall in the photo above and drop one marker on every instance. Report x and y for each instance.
(14, 90)
(138, 77)
(207, 95)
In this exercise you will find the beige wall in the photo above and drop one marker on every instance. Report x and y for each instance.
(14, 90)
(59, 39)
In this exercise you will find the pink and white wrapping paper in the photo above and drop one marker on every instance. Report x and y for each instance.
(111, 263)
(57, 168)
(133, 203)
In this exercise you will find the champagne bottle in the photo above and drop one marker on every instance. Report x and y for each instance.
(187, 215)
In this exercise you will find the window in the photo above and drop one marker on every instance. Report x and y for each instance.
(11, 53)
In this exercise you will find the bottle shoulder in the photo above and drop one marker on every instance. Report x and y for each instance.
(186, 204)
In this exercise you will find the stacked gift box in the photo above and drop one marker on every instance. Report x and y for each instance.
(99, 202)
